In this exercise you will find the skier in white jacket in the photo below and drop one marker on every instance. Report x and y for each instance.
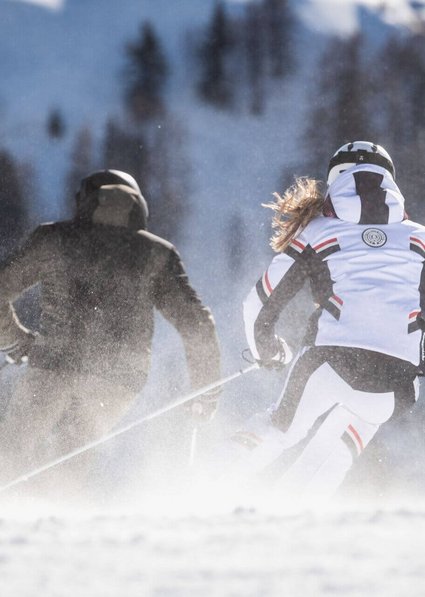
(364, 260)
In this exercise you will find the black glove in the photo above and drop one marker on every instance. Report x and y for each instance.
(421, 366)
(203, 409)
(282, 357)
(421, 322)
(17, 353)
(272, 364)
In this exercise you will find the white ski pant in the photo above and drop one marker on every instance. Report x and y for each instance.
(353, 419)
(326, 390)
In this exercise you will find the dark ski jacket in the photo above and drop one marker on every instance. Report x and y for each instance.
(100, 285)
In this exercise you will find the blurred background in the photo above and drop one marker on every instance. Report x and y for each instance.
(212, 105)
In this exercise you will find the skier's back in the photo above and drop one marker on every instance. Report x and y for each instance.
(101, 277)
(364, 261)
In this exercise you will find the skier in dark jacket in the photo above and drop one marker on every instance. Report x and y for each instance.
(101, 277)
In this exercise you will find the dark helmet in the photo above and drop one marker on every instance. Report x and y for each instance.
(89, 193)
(359, 152)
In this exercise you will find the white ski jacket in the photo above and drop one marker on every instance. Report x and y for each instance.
(366, 272)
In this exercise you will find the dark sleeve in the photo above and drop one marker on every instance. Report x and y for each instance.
(422, 291)
(19, 272)
(180, 305)
(264, 304)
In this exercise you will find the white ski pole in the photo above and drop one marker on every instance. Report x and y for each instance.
(106, 438)
(193, 442)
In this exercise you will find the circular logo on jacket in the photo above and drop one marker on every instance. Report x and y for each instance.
(373, 237)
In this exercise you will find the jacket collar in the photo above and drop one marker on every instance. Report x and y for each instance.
(367, 194)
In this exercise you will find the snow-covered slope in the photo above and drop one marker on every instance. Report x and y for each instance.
(72, 58)
(225, 555)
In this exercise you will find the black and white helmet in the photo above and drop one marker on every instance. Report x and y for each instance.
(359, 152)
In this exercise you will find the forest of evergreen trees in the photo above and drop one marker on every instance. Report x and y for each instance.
(378, 95)
(239, 60)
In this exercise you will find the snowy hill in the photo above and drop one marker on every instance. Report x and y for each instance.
(72, 58)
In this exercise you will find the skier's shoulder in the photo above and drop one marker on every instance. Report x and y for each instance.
(156, 242)
(163, 255)
(44, 234)
(298, 247)
(320, 225)
(318, 228)
(48, 229)
(413, 227)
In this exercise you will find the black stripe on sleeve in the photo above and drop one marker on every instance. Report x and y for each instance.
(422, 290)
(349, 442)
(334, 311)
(418, 250)
(412, 327)
(322, 283)
(264, 325)
(329, 251)
(261, 292)
(293, 253)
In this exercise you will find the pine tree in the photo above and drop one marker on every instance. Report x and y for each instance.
(400, 92)
(124, 149)
(165, 178)
(254, 48)
(340, 112)
(350, 100)
(13, 209)
(215, 86)
(146, 74)
(81, 165)
(55, 124)
(279, 23)
(236, 246)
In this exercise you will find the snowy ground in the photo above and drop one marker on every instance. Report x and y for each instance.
(165, 544)
(245, 553)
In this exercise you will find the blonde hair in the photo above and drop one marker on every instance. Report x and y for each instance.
(298, 205)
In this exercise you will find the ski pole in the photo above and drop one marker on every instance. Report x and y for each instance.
(4, 365)
(193, 442)
(120, 431)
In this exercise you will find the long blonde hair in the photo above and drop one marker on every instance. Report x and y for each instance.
(298, 205)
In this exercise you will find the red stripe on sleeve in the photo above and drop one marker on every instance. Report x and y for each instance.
(298, 243)
(324, 243)
(267, 282)
(357, 436)
(418, 240)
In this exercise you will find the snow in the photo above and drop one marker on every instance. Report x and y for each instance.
(51, 4)
(228, 554)
(342, 17)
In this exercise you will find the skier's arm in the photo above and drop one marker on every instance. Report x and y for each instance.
(178, 302)
(17, 273)
(278, 285)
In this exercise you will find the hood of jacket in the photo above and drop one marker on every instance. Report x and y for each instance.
(111, 197)
(366, 194)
